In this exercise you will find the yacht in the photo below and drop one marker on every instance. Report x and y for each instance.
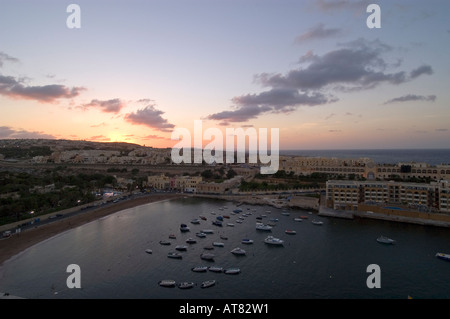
(273, 241)
(238, 251)
(261, 226)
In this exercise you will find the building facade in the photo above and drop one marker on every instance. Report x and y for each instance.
(347, 195)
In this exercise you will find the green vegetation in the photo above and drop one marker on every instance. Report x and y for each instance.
(47, 192)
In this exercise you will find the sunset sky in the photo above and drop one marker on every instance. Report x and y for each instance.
(135, 70)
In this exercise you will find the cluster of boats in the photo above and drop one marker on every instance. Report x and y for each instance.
(237, 251)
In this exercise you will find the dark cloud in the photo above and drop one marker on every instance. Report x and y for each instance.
(318, 32)
(11, 87)
(356, 65)
(108, 106)
(150, 117)
(7, 132)
(424, 69)
(360, 65)
(412, 97)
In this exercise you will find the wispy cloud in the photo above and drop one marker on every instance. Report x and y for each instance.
(411, 98)
(155, 137)
(107, 106)
(5, 57)
(318, 32)
(151, 117)
(357, 6)
(7, 132)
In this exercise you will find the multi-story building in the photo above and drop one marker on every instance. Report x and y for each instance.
(304, 165)
(181, 183)
(425, 197)
(363, 168)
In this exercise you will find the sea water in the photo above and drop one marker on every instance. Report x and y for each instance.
(327, 261)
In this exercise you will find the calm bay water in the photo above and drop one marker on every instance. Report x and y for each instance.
(327, 261)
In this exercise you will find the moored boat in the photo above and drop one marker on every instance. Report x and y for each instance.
(215, 269)
(238, 251)
(191, 241)
(184, 228)
(195, 221)
(247, 241)
(167, 283)
(172, 236)
(218, 244)
(186, 285)
(317, 222)
(208, 283)
(200, 235)
(443, 256)
(199, 269)
(174, 255)
(263, 227)
(385, 240)
(208, 231)
(217, 223)
(148, 251)
(273, 241)
(164, 242)
(232, 271)
(290, 232)
(207, 256)
(298, 219)
(181, 247)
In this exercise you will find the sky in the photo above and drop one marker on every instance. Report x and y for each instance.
(134, 71)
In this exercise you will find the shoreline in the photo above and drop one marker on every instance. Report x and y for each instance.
(18, 243)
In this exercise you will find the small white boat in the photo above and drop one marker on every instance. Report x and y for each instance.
(238, 251)
(207, 256)
(174, 255)
(199, 269)
(217, 244)
(385, 240)
(148, 251)
(181, 247)
(232, 271)
(191, 241)
(443, 256)
(172, 236)
(165, 242)
(184, 228)
(317, 222)
(208, 231)
(263, 227)
(186, 285)
(247, 241)
(273, 241)
(298, 219)
(215, 269)
(208, 283)
(200, 235)
(230, 224)
(195, 221)
(167, 283)
(290, 232)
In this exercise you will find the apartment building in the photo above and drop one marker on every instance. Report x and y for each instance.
(347, 195)
(182, 183)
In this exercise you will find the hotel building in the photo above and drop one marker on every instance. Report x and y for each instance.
(349, 195)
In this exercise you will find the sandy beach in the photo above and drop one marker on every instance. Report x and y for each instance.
(19, 242)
